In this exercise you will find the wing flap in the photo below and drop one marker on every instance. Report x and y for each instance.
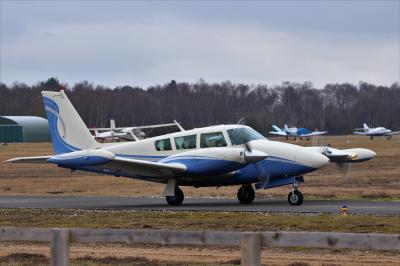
(145, 168)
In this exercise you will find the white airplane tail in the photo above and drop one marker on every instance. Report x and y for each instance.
(365, 126)
(112, 124)
(68, 132)
(276, 128)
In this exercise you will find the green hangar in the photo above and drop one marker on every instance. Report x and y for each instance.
(23, 129)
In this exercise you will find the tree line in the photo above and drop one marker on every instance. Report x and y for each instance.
(338, 108)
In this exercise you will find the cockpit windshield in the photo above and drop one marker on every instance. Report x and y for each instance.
(242, 135)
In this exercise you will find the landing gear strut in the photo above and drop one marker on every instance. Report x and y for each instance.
(177, 199)
(295, 197)
(246, 194)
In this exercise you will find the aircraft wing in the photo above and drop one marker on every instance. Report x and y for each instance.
(360, 133)
(35, 159)
(146, 168)
(281, 133)
(394, 133)
(314, 133)
(138, 127)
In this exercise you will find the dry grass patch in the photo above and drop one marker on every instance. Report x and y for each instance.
(228, 221)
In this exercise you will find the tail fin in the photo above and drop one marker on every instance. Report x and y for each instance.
(68, 131)
(365, 127)
(285, 127)
(112, 124)
(276, 128)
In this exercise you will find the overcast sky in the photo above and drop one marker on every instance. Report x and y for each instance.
(147, 43)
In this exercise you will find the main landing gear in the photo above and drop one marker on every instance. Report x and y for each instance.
(246, 194)
(177, 199)
(295, 197)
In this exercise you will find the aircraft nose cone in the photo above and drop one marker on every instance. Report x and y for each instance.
(312, 159)
(254, 156)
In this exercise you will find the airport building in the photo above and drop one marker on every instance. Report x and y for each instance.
(23, 129)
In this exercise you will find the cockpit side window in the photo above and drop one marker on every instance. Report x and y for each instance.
(163, 145)
(215, 139)
(185, 142)
(242, 135)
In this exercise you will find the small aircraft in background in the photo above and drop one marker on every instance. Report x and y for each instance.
(375, 132)
(295, 132)
(214, 156)
(114, 133)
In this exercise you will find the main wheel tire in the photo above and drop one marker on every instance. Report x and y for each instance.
(246, 194)
(177, 199)
(295, 198)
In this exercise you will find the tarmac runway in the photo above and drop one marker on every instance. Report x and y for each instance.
(198, 204)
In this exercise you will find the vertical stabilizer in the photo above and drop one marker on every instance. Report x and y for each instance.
(276, 128)
(365, 127)
(68, 131)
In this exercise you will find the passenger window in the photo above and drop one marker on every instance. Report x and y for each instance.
(215, 139)
(186, 142)
(163, 145)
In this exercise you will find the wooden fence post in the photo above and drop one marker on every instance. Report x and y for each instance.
(60, 247)
(250, 251)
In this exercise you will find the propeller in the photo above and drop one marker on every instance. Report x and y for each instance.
(256, 157)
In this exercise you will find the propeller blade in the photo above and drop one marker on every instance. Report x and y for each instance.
(241, 121)
(345, 167)
(247, 146)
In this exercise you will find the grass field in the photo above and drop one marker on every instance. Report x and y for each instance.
(101, 254)
(375, 179)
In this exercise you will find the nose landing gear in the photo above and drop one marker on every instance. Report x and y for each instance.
(246, 194)
(295, 197)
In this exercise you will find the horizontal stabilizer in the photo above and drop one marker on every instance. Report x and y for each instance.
(35, 159)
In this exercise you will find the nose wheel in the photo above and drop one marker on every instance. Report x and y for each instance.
(246, 194)
(295, 197)
(177, 199)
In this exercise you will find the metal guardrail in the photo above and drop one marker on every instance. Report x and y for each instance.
(249, 242)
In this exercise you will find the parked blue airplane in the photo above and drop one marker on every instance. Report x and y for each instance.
(295, 132)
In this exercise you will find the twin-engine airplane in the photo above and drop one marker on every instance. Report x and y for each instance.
(202, 157)
(295, 132)
(375, 132)
(113, 133)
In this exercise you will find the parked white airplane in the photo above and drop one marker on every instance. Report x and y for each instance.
(375, 132)
(202, 157)
(295, 132)
(125, 133)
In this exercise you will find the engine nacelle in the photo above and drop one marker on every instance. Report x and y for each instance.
(82, 158)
